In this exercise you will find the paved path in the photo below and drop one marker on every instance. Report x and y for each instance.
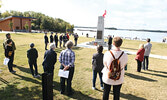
(128, 52)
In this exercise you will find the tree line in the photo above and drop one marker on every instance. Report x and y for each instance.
(42, 22)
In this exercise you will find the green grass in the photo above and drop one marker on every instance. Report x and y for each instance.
(151, 85)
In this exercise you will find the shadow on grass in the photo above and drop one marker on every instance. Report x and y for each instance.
(28, 79)
(139, 77)
(23, 69)
(14, 92)
(155, 74)
(4, 81)
(157, 71)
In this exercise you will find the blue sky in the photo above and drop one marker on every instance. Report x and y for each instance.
(138, 14)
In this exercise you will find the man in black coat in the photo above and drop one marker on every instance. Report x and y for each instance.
(65, 39)
(32, 55)
(50, 58)
(109, 42)
(56, 39)
(51, 37)
(46, 41)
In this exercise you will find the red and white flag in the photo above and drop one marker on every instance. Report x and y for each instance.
(104, 13)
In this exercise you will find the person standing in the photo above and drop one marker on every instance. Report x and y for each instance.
(51, 37)
(109, 42)
(140, 56)
(68, 37)
(9, 53)
(97, 66)
(46, 41)
(32, 55)
(109, 56)
(50, 58)
(60, 39)
(56, 39)
(67, 59)
(65, 39)
(75, 38)
(8, 37)
(147, 48)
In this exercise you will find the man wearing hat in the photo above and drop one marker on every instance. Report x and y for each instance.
(32, 55)
(8, 37)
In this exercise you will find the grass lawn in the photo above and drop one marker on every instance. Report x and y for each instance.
(151, 85)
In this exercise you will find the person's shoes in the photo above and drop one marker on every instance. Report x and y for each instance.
(13, 72)
(93, 88)
(102, 88)
(36, 76)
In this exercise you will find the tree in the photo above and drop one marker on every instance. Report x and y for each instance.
(11, 25)
(26, 27)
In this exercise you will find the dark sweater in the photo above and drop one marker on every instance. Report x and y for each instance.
(46, 39)
(32, 55)
(51, 38)
(97, 62)
(9, 53)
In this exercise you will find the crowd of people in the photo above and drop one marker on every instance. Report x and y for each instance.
(110, 66)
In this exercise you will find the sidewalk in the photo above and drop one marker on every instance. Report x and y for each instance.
(128, 52)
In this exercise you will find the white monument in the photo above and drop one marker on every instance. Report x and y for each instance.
(100, 33)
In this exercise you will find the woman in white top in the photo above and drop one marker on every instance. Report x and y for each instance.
(107, 59)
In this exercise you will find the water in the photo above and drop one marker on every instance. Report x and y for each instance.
(154, 36)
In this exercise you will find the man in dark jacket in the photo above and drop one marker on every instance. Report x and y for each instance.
(32, 55)
(65, 39)
(97, 66)
(56, 39)
(75, 38)
(60, 39)
(109, 42)
(51, 37)
(8, 37)
(46, 41)
(50, 58)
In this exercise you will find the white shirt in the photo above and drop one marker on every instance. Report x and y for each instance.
(108, 59)
(147, 48)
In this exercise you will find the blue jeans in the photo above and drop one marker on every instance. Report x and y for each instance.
(145, 62)
(95, 76)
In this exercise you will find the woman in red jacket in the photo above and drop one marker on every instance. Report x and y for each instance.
(140, 57)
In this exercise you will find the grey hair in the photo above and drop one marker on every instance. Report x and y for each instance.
(69, 44)
(52, 46)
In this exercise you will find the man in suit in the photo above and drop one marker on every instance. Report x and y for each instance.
(32, 55)
(50, 58)
(109, 42)
(46, 41)
(56, 39)
(51, 37)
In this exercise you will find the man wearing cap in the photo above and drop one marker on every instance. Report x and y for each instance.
(32, 55)
(46, 41)
(8, 37)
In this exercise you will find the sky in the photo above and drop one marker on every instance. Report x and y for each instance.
(131, 14)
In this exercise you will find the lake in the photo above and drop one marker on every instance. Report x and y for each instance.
(154, 36)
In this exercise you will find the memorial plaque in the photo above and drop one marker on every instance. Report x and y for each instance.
(99, 34)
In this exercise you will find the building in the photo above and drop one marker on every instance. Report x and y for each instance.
(16, 23)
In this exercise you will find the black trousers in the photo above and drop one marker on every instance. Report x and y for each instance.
(10, 63)
(56, 43)
(109, 46)
(75, 43)
(146, 62)
(69, 83)
(139, 65)
(46, 44)
(31, 68)
(116, 91)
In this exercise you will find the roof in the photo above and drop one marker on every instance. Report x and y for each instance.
(2, 19)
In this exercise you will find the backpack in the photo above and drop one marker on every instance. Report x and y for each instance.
(115, 68)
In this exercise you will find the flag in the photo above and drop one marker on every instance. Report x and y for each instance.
(104, 13)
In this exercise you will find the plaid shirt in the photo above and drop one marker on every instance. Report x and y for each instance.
(67, 57)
